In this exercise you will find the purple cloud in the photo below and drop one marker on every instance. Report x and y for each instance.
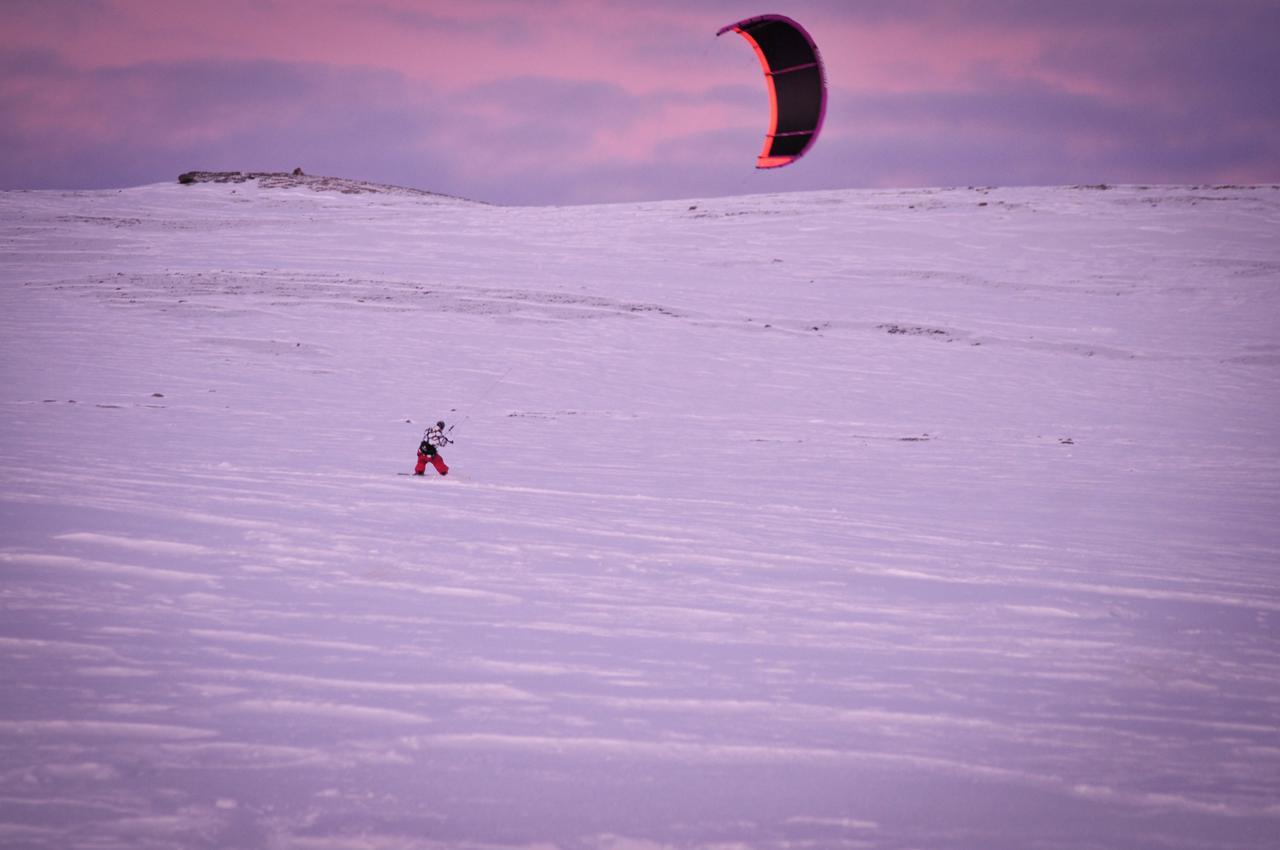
(577, 103)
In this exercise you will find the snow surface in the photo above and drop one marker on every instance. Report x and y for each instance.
(918, 519)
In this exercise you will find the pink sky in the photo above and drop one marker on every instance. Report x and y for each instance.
(571, 102)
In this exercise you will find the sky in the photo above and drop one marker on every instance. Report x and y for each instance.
(538, 102)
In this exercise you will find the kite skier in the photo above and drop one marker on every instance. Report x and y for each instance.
(432, 439)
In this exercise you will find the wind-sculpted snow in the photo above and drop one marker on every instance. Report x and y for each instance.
(936, 518)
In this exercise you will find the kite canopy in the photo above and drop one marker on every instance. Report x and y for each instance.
(797, 86)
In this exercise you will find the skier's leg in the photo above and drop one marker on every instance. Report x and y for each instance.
(438, 462)
(422, 464)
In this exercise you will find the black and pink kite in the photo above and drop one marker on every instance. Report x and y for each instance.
(797, 85)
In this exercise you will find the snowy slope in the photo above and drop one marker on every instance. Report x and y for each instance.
(920, 519)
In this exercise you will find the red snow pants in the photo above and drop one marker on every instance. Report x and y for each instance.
(434, 460)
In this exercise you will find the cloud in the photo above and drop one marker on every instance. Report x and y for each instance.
(71, 128)
(116, 126)
(567, 102)
(1011, 131)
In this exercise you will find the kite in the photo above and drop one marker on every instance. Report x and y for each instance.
(797, 85)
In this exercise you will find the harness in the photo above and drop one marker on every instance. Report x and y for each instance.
(432, 438)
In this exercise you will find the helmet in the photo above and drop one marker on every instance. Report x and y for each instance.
(440, 424)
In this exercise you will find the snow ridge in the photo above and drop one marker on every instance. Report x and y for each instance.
(297, 179)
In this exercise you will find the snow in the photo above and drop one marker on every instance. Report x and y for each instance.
(890, 519)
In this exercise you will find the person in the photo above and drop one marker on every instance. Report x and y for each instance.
(433, 438)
